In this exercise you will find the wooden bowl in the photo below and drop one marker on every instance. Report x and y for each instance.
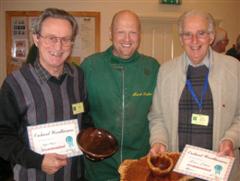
(97, 143)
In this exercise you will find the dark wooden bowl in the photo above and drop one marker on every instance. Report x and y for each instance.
(97, 143)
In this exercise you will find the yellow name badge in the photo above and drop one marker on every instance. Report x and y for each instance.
(200, 119)
(77, 108)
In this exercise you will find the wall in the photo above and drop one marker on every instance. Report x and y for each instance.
(227, 11)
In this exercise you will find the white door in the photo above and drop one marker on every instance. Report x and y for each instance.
(160, 38)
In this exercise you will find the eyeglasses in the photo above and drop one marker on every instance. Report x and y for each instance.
(199, 35)
(52, 40)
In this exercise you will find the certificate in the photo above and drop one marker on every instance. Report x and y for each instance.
(57, 137)
(205, 164)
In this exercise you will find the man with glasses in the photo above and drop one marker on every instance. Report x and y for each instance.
(199, 85)
(44, 91)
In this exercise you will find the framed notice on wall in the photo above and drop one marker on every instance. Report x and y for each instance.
(19, 36)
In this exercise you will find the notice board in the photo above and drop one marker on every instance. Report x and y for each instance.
(19, 36)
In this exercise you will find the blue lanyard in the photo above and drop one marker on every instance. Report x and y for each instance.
(203, 94)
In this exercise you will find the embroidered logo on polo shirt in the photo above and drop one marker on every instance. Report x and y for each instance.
(138, 94)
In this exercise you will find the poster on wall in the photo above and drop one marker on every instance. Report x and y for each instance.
(19, 27)
(20, 49)
(20, 44)
(84, 45)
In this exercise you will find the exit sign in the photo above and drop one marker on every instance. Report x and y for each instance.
(171, 2)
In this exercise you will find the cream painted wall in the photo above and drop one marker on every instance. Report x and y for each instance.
(227, 11)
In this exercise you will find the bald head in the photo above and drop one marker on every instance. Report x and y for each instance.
(123, 15)
(125, 34)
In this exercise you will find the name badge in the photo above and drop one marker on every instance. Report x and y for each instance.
(200, 119)
(77, 108)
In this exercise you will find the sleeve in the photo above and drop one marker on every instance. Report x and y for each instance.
(6, 170)
(233, 132)
(12, 146)
(86, 118)
(158, 131)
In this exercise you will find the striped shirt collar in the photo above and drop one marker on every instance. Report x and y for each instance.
(44, 75)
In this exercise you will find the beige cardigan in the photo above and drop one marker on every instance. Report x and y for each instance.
(224, 81)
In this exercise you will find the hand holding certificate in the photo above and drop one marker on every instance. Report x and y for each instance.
(205, 164)
(57, 137)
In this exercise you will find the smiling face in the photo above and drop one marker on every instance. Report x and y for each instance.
(125, 34)
(53, 55)
(195, 38)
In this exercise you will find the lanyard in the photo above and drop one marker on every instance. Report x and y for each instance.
(203, 94)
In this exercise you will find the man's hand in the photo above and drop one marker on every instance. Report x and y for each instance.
(156, 149)
(226, 148)
(52, 162)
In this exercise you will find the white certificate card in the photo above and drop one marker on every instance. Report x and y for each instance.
(205, 164)
(57, 137)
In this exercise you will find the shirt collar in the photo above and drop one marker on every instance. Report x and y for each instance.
(118, 60)
(44, 75)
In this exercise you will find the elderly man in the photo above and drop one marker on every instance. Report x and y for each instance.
(42, 92)
(199, 85)
(120, 83)
(220, 41)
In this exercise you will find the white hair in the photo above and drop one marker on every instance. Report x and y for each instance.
(207, 16)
